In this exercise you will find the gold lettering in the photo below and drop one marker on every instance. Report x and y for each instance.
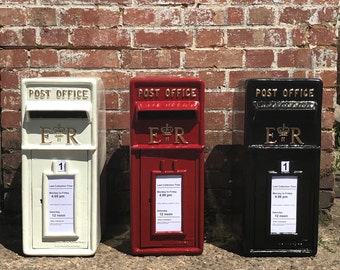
(45, 136)
(179, 135)
(266, 92)
(71, 132)
(153, 135)
(270, 135)
(295, 135)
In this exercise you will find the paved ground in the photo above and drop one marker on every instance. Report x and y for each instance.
(113, 253)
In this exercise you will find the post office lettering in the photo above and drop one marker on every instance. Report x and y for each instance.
(266, 92)
(39, 93)
(148, 92)
(298, 93)
(177, 93)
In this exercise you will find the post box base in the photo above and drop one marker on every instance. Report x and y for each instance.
(167, 251)
(281, 253)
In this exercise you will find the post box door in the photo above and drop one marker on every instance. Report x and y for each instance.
(285, 197)
(169, 198)
(59, 198)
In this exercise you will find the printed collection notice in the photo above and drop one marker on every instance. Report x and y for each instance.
(60, 205)
(283, 205)
(168, 203)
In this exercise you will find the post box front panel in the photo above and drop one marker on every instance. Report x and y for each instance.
(170, 199)
(166, 112)
(283, 112)
(48, 132)
(60, 217)
(285, 208)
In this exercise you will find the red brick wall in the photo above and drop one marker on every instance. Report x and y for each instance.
(220, 41)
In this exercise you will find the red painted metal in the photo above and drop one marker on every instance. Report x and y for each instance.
(167, 139)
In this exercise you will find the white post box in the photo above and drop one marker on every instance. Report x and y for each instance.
(63, 155)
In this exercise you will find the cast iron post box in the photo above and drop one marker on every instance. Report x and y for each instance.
(167, 165)
(282, 143)
(63, 155)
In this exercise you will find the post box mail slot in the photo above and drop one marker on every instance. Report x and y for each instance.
(282, 144)
(167, 165)
(63, 154)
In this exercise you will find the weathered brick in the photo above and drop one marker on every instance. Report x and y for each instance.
(213, 58)
(94, 37)
(11, 139)
(89, 59)
(218, 100)
(163, 38)
(139, 16)
(261, 16)
(213, 78)
(12, 16)
(42, 16)
(117, 120)
(54, 37)
(214, 120)
(150, 58)
(235, 16)
(10, 119)
(298, 58)
(205, 16)
(259, 58)
(9, 79)
(90, 17)
(10, 100)
(209, 38)
(13, 58)
(323, 36)
(44, 58)
(295, 15)
(111, 100)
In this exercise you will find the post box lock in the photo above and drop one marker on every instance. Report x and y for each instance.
(167, 165)
(63, 155)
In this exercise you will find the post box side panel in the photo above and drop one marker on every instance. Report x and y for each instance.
(283, 111)
(285, 220)
(60, 200)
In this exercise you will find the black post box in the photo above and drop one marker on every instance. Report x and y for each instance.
(282, 138)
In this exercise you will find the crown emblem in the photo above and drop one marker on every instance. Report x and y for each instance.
(283, 132)
(59, 132)
(167, 131)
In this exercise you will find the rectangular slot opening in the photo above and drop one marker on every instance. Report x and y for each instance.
(57, 114)
(167, 115)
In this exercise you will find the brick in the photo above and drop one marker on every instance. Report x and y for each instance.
(218, 100)
(213, 138)
(213, 58)
(214, 120)
(111, 100)
(11, 139)
(235, 16)
(328, 14)
(259, 58)
(327, 120)
(236, 76)
(327, 140)
(209, 38)
(10, 119)
(10, 100)
(256, 37)
(90, 17)
(326, 160)
(12, 161)
(9, 79)
(150, 59)
(325, 58)
(329, 78)
(44, 58)
(13, 58)
(111, 79)
(204, 16)
(93, 37)
(328, 98)
(298, 58)
(212, 78)
(292, 15)
(42, 16)
(12, 16)
(89, 59)
(261, 16)
(157, 2)
(139, 16)
(323, 36)
(117, 120)
(163, 38)
(54, 37)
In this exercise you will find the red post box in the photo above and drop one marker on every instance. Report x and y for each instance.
(167, 165)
